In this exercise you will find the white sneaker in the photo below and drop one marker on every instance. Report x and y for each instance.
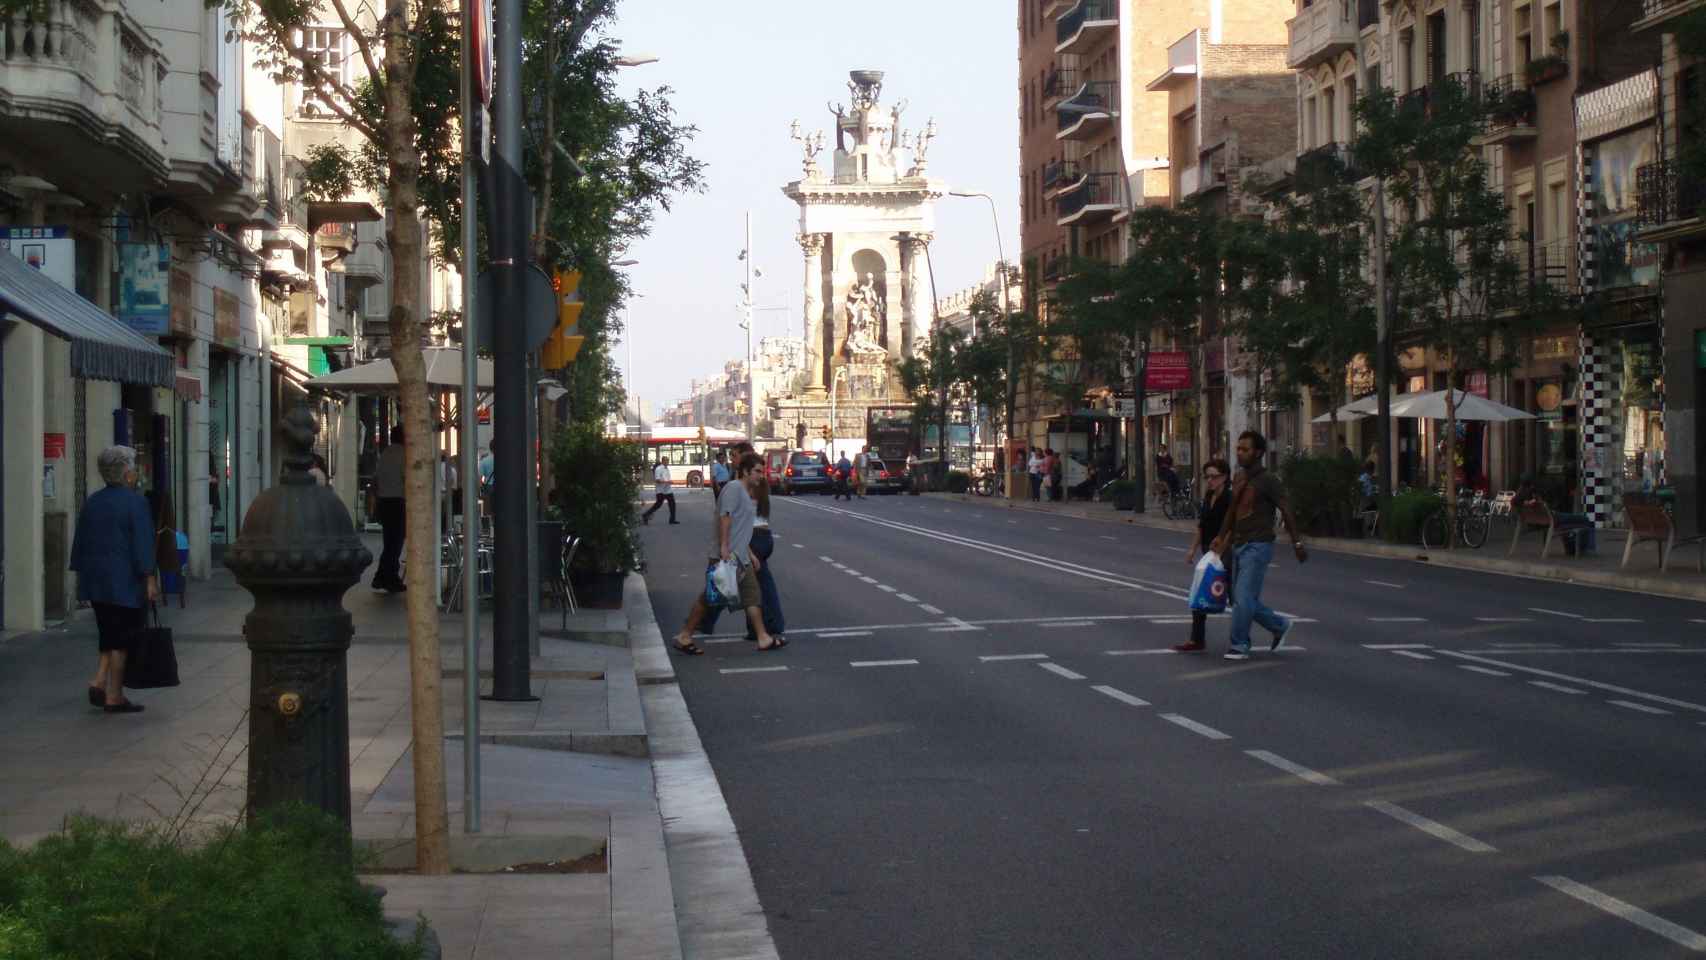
(1237, 655)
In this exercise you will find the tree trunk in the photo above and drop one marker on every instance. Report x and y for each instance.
(432, 840)
(1451, 455)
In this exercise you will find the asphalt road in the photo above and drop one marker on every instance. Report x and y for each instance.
(976, 746)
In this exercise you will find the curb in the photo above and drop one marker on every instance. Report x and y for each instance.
(717, 913)
(1457, 559)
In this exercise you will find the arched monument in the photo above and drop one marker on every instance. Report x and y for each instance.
(864, 225)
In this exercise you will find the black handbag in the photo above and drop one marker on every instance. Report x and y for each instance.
(152, 661)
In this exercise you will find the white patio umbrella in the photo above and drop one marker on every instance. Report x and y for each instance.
(443, 369)
(1365, 407)
(1431, 406)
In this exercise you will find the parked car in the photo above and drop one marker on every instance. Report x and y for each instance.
(879, 478)
(806, 472)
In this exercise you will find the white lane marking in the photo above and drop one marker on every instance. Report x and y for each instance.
(1697, 621)
(1397, 619)
(956, 625)
(1607, 687)
(883, 663)
(1139, 653)
(909, 598)
(1066, 623)
(1012, 521)
(1505, 619)
(1106, 537)
(885, 588)
(937, 611)
(1120, 695)
(735, 637)
(1557, 613)
(1612, 620)
(799, 546)
(996, 658)
(1639, 706)
(1413, 655)
(1398, 646)
(1195, 727)
(1644, 643)
(869, 579)
(1593, 651)
(1676, 933)
(840, 566)
(826, 559)
(1178, 620)
(851, 572)
(1523, 645)
(1055, 529)
(1061, 671)
(752, 670)
(1295, 769)
(1556, 688)
(1432, 827)
(1175, 549)
(845, 633)
(1489, 671)
(1383, 583)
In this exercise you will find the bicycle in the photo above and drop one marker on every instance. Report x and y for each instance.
(985, 483)
(1474, 517)
(1181, 505)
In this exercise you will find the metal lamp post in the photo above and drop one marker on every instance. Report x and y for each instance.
(297, 555)
(1006, 316)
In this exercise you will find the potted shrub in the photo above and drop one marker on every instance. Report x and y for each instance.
(1546, 69)
(959, 481)
(1123, 493)
(1512, 107)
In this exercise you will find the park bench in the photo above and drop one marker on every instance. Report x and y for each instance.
(1649, 523)
(1535, 516)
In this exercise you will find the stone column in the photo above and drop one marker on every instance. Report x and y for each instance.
(918, 278)
(811, 244)
(908, 295)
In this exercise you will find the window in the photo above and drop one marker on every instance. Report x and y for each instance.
(1406, 61)
(1552, 24)
(1349, 83)
(326, 46)
(1474, 57)
(1329, 116)
(1524, 37)
(1309, 123)
(1436, 48)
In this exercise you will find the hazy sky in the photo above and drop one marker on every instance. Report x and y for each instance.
(741, 71)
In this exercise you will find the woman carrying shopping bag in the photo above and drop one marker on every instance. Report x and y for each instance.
(1209, 520)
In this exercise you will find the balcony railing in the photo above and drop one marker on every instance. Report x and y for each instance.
(1059, 172)
(1100, 98)
(1324, 166)
(1546, 264)
(1658, 11)
(1098, 190)
(1086, 11)
(1062, 82)
(1666, 193)
(1321, 31)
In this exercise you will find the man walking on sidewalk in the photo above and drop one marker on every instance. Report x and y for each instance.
(1249, 534)
(660, 477)
(388, 490)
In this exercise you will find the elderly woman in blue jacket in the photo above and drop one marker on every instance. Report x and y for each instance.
(113, 555)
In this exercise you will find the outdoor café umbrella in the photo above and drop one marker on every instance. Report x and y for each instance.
(1365, 407)
(1431, 406)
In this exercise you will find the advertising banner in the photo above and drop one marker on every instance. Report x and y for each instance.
(1167, 370)
(144, 287)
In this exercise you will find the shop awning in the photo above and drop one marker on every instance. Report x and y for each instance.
(102, 348)
(187, 385)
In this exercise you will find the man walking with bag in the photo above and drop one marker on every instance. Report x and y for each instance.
(1247, 537)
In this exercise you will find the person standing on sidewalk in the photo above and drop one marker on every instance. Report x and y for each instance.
(388, 489)
(1210, 519)
(660, 479)
(719, 473)
(1034, 468)
(861, 463)
(843, 478)
(113, 554)
(1248, 532)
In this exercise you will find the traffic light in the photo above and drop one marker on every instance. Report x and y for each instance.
(564, 343)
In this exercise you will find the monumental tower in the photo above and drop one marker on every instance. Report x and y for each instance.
(865, 224)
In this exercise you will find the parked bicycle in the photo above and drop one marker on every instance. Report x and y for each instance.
(1474, 516)
(1181, 505)
(985, 482)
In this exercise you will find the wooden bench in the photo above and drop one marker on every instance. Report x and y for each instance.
(1536, 515)
(1649, 523)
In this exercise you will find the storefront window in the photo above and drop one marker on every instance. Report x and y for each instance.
(1619, 260)
(1641, 412)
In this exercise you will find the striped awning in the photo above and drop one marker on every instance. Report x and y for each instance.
(102, 348)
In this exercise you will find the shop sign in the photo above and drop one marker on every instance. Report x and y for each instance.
(179, 308)
(225, 318)
(1125, 407)
(145, 274)
(1478, 383)
(1547, 401)
(1700, 349)
(1554, 348)
(53, 446)
(48, 249)
(1157, 406)
(1167, 370)
(1416, 384)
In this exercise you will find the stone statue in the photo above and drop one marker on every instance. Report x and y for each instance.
(840, 126)
(864, 318)
(811, 144)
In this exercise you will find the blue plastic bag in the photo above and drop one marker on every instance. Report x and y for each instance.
(722, 599)
(1208, 587)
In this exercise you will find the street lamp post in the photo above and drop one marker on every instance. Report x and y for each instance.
(1006, 317)
(746, 312)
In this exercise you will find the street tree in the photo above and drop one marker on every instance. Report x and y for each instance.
(1000, 340)
(399, 101)
(930, 377)
(1455, 279)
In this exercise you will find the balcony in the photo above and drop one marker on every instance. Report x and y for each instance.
(263, 168)
(80, 96)
(1510, 111)
(1190, 181)
(1095, 199)
(1062, 82)
(1088, 23)
(1061, 173)
(1324, 166)
(1054, 8)
(1546, 264)
(1320, 32)
(335, 237)
(1670, 202)
(287, 235)
(1655, 12)
(1090, 112)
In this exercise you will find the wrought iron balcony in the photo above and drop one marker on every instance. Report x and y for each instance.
(1667, 194)
(1062, 82)
(1098, 196)
(1089, 112)
(1510, 110)
(1320, 32)
(1546, 264)
(1324, 166)
(1655, 12)
(1060, 173)
(1081, 27)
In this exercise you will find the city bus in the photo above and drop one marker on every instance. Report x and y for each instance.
(689, 450)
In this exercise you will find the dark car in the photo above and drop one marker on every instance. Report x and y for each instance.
(806, 472)
(879, 478)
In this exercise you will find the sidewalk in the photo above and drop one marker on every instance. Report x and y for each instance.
(565, 779)
(1682, 581)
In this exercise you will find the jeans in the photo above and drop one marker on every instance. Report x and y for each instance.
(1036, 486)
(1579, 539)
(1250, 569)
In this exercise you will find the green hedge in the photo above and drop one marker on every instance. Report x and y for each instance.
(283, 889)
(1323, 492)
(595, 492)
(1401, 516)
(959, 481)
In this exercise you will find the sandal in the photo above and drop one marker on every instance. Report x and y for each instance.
(123, 706)
(97, 697)
(689, 649)
(776, 643)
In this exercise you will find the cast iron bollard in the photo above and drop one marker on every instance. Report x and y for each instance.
(297, 554)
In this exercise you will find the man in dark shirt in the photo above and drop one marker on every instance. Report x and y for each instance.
(1248, 533)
